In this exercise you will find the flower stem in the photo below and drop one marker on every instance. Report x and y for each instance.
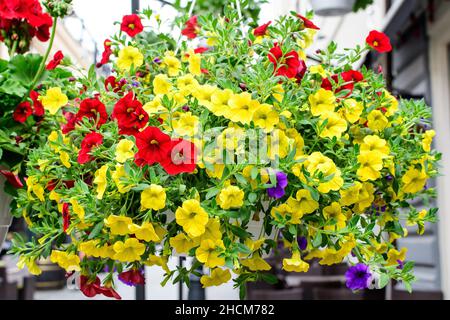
(44, 60)
(13, 48)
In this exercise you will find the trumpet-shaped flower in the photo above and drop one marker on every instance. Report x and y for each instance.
(154, 198)
(118, 225)
(231, 197)
(129, 56)
(376, 121)
(295, 264)
(414, 180)
(371, 164)
(124, 150)
(101, 181)
(333, 125)
(321, 102)
(192, 217)
(218, 277)
(145, 232)
(208, 253)
(54, 100)
(129, 251)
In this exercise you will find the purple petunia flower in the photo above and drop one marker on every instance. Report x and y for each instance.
(278, 192)
(302, 243)
(358, 277)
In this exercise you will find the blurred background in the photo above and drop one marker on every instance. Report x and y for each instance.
(418, 68)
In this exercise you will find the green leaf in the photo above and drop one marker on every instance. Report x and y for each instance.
(269, 278)
(24, 68)
(243, 248)
(384, 280)
(96, 230)
(317, 240)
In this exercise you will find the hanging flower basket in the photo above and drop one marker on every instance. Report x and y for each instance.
(242, 132)
(332, 7)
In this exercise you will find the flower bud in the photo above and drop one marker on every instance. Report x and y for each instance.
(58, 8)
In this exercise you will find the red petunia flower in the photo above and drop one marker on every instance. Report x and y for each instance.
(130, 115)
(111, 83)
(261, 31)
(308, 23)
(93, 109)
(57, 58)
(38, 108)
(349, 78)
(286, 65)
(91, 140)
(132, 277)
(108, 292)
(12, 178)
(131, 25)
(107, 52)
(66, 216)
(154, 145)
(200, 50)
(192, 28)
(182, 158)
(379, 41)
(89, 288)
(22, 112)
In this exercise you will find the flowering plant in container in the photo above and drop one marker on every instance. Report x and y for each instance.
(220, 151)
(22, 117)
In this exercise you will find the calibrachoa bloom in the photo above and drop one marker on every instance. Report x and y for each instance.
(91, 140)
(22, 112)
(191, 29)
(358, 277)
(131, 25)
(57, 58)
(92, 109)
(379, 41)
(226, 155)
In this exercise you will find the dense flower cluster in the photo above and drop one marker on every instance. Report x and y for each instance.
(224, 153)
(21, 21)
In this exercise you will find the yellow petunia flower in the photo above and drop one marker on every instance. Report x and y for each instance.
(334, 211)
(334, 125)
(376, 121)
(129, 251)
(318, 69)
(303, 203)
(352, 110)
(192, 217)
(173, 65)
(65, 159)
(129, 56)
(68, 261)
(181, 243)
(428, 140)
(31, 265)
(371, 164)
(118, 225)
(187, 125)
(154, 198)
(230, 197)
(158, 261)
(375, 144)
(124, 150)
(295, 264)
(145, 232)
(218, 277)
(53, 100)
(77, 209)
(256, 263)
(101, 181)
(161, 84)
(195, 62)
(117, 176)
(208, 253)
(321, 102)
(266, 117)
(242, 108)
(414, 180)
(394, 256)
